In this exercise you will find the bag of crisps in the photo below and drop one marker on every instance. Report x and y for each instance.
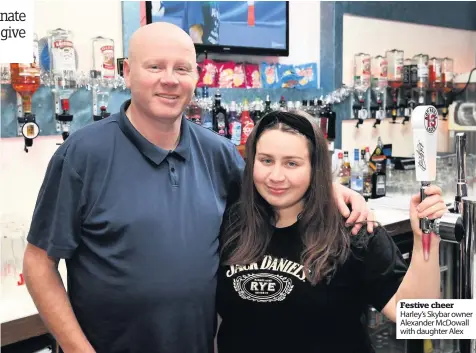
(287, 75)
(253, 78)
(269, 75)
(239, 77)
(208, 74)
(226, 71)
(307, 74)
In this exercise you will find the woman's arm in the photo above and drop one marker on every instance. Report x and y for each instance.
(422, 280)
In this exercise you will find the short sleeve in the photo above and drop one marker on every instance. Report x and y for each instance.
(56, 221)
(384, 269)
(237, 167)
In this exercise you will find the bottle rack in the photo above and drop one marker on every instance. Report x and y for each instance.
(46, 104)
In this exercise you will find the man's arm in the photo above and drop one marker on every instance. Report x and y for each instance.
(49, 295)
(55, 234)
(360, 210)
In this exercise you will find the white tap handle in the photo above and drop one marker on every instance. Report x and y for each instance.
(424, 122)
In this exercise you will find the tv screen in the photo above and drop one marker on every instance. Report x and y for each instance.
(238, 27)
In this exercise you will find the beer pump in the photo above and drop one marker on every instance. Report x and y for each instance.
(454, 227)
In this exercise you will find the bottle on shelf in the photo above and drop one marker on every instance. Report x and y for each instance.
(379, 183)
(247, 124)
(207, 108)
(356, 176)
(194, 111)
(234, 125)
(366, 174)
(282, 104)
(257, 111)
(343, 174)
(267, 106)
(219, 116)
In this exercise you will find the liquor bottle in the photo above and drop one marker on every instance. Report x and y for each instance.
(257, 111)
(63, 61)
(25, 78)
(103, 57)
(362, 66)
(282, 104)
(323, 120)
(63, 67)
(356, 182)
(5, 74)
(247, 124)
(366, 174)
(331, 123)
(234, 125)
(206, 105)
(219, 116)
(194, 110)
(421, 61)
(379, 183)
(343, 174)
(267, 106)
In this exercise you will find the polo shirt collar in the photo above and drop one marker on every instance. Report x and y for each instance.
(148, 149)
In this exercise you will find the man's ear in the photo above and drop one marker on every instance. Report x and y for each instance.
(127, 72)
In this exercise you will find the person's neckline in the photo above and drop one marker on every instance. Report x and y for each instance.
(286, 228)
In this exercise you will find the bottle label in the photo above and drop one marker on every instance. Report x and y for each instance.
(221, 124)
(64, 58)
(380, 187)
(356, 184)
(235, 132)
(29, 70)
(108, 65)
(345, 180)
(247, 129)
(422, 71)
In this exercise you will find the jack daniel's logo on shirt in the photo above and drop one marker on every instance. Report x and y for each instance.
(266, 287)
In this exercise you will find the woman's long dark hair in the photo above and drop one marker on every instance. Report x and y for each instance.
(250, 224)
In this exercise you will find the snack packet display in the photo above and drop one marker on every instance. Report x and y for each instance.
(208, 75)
(239, 76)
(226, 72)
(288, 76)
(269, 75)
(253, 77)
(307, 74)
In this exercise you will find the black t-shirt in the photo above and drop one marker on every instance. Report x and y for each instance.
(270, 307)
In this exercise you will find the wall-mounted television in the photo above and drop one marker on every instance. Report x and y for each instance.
(235, 27)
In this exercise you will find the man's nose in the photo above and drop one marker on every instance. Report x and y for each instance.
(168, 78)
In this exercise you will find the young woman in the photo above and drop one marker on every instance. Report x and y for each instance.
(293, 279)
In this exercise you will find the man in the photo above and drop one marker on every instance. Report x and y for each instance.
(134, 204)
(202, 21)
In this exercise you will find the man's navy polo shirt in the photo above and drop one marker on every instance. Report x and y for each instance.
(138, 227)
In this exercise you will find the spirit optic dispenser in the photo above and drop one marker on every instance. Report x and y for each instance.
(25, 80)
(102, 75)
(63, 68)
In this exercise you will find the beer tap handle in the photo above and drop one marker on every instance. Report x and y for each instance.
(461, 186)
(424, 121)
